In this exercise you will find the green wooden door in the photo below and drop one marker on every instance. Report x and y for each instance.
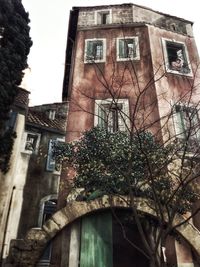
(96, 240)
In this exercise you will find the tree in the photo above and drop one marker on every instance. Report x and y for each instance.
(155, 156)
(15, 44)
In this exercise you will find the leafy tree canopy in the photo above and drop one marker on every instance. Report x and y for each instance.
(120, 163)
(15, 44)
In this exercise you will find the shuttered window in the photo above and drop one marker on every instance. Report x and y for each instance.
(95, 50)
(128, 48)
(187, 122)
(113, 115)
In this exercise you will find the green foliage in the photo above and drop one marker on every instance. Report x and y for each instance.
(6, 142)
(15, 44)
(117, 163)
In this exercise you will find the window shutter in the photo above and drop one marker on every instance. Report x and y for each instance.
(50, 166)
(101, 116)
(121, 49)
(123, 118)
(90, 50)
(96, 241)
(179, 121)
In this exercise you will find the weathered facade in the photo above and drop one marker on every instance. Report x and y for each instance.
(30, 193)
(117, 56)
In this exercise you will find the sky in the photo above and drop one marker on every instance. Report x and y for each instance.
(49, 25)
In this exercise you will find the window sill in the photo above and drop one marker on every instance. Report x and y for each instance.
(189, 74)
(94, 61)
(128, 59)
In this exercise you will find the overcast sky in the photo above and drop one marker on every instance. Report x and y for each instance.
(49, 24)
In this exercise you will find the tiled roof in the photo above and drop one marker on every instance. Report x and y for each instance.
(22, 98)
(41, 120)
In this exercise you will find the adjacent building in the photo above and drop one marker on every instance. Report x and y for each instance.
(29, 190)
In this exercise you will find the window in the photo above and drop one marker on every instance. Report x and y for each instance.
(48, 208)
(176, 57)
(128, 49)
(30, 142)
(51, 165)
(95, 50)
(187, 126)
(113, 115)
(103, 17)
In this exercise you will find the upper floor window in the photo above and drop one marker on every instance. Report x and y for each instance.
(103, 16)
(30, 142)
(113, 115)
(176, 57)
(51, 164)
(95, 50)
(128, 48)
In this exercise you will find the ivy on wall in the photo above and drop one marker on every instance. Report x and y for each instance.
(15, 44)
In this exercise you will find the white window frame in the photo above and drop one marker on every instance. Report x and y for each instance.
(86, 60)
(179, 129)
(137, 51)
(103, 11)
(125, 111)
(50, 161)
(166, 59)
(42, 262)
(24, 143)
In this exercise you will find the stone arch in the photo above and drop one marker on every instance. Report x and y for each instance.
(28, 251)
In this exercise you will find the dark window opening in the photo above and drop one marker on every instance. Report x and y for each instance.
(103, 17)
(31, 142)
(177, 57)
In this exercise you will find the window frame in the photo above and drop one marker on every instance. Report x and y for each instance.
(125, 110)
(180, 126)
(51, 165)
(100, 13)
(24, 143)
(137, 48)
(103, 49)
(41, 221)
(166, 58)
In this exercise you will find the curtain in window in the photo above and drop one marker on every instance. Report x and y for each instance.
(96, 240)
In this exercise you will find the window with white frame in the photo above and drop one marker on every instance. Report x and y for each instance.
(30, 142)
(103, 16)
(112, 114)
(187, 124)
(48, 208)
(128, 48)
(51, 164)
(95, 50)
(176, 57)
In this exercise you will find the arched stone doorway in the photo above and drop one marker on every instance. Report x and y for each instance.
(25, 253)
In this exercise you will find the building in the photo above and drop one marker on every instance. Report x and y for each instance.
(30, 188)
(118, 56)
